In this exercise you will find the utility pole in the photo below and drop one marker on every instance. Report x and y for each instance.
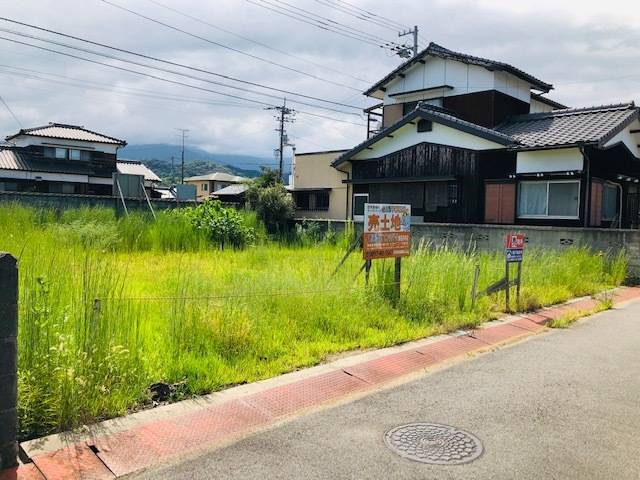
(173, 176)
(407, 52)
(184, 132)
(283, 116)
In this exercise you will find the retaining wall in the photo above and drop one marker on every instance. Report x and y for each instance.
(491, 237)
(67, 201)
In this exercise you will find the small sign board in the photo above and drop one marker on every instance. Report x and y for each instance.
(514, 247)
(387, 231)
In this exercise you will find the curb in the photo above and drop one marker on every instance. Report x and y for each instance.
(119, 447)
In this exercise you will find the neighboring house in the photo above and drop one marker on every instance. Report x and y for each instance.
(212, 182)
(151, 180)
(233, 194)
(470, 140)
(318, 189)
(59, 158)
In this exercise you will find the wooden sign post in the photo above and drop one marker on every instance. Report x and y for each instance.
(387, 234)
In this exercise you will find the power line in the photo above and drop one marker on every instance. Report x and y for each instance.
(326, 20)
(236, 50)
(11, 112)
(160, 60)
(256, 42)
(174, 82)
(371, 14)
(315, 23)
(106, 87)
(357, 14)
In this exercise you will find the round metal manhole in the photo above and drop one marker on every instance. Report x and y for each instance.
(433, 443)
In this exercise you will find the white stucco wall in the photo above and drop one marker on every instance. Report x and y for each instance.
(539, 107)
(631, 140)
(52, 177)
(541, 161)
(407, 136)
(464, 78)
(26, 140)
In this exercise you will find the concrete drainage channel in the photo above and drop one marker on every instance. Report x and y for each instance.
(433, 443)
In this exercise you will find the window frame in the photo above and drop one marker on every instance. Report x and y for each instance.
(616, 188)
(547, 216)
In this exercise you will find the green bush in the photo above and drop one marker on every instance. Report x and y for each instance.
(271, 201)
(224, 226)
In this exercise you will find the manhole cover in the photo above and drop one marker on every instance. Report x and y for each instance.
(433, 443)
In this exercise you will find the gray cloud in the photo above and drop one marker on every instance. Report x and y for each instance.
(590, 59)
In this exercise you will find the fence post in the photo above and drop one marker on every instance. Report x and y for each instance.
(8, 361)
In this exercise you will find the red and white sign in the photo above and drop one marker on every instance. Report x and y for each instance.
(515, 241)
(387, 231)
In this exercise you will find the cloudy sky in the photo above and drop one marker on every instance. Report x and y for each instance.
(589, 50)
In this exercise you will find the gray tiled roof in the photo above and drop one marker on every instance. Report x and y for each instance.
(217, 176)
(68, 132)
(231, 190)
(439, 51)
(129, 167)
(594, 125)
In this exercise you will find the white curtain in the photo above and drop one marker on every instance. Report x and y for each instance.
(532, 199)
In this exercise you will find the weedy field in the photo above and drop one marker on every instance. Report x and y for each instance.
(110, 306)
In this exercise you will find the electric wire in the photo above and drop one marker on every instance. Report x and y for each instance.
(257, 42)
(159, 60)
(15, 117)
(314, 23)
(173, 72)
(227, 47)
(174, 82)
(355, 14)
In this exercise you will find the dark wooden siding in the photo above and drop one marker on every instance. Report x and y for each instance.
(595, 218)
(422, 160)
(488, 108)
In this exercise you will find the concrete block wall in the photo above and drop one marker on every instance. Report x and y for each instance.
(68, 201)
(491, 237)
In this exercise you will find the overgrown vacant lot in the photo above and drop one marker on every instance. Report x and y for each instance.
(110, 306)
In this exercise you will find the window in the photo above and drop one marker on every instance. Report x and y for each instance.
(74, 154)
(204, 187)
(312, 201)
(408, 108)
(552, 199)
(61, 153)
(609, 202)
(359, 199)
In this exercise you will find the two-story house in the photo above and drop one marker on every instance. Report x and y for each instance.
(465, 139)
(59, 158)
(207, 185)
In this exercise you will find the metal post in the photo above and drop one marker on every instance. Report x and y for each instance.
(398, 274)
(518, 285)
(367, 271)
(8, 361)
(507, 288)
(474, 290)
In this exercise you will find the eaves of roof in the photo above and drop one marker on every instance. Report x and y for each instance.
(439, 51)
(428, 113)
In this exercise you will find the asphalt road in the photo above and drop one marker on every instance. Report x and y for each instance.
(562, 405)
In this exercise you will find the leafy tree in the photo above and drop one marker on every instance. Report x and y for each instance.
(271, 201)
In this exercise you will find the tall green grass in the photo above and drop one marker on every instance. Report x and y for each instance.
(109, 306)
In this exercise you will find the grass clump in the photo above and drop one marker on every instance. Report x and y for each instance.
(174, 306)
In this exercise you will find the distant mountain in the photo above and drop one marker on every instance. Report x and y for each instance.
(246, 163)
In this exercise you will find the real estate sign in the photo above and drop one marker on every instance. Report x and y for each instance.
(514, 247)
(387, 231)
